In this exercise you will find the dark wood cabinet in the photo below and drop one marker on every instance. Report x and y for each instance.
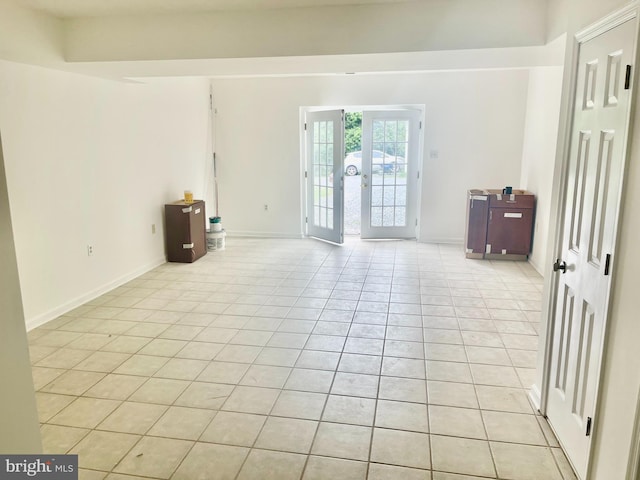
(508, 226)
(185, 229)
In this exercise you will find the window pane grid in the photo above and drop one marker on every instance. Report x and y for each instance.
(389, 173)
(323, 174)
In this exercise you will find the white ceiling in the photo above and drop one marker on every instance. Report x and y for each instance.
(96, 8)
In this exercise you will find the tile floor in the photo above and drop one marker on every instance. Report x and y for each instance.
(294, 359)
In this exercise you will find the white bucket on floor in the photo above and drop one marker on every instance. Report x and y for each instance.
(215, 240)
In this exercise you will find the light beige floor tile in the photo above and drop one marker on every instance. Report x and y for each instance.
(342, 441)
(200, 350)
(520, 342)
(364, 346)
(513, 428)
(452, 394)
(125, 344)
(181, 369)
(266, 376)
(552, 441)
(321, 468)
(402, 416)
(57, 338)
(482, 339)
(102, 362)
(84, 474)
(396, 447)
(73, 382)
(293, 404)
(181, 332)
(162, 347)
(85, 412)
(351, 410)
(64, 358)
(503, 399)
(238, 353)
(309, 380)
(523, 358)
(438, 335)
(527, 376)
(403, 367)
(116, 387)
(477, 460)
(57, 439)
(495, 375)
(182, 423)
(159, 390)
(403, 389)
(121, 476)
(400, 348)
(232, 428)
(393, 472)
(457, 422)
(444, 352)
(563, 464)
(524, 462)
(453, 476)
(266, 465)
(357, 363)
(147, 329)
(319, 360)
(38, 352)
(49, 404)
(488, 355)
(205, 395)
(103, 450)
(287, 435)
(448, 371)
(280, 357)
(356, 384)
(131, 417)
(223, 372)
(211, 462)
(154, 457)
(143, 365)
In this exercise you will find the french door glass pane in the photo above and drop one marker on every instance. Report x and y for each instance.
(389, 173)
(323, 174)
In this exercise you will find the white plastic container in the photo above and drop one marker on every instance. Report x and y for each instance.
(216, 240)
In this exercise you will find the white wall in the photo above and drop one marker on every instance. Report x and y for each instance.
(475, 121)
(539, 151)
(92, 162)
(18, 416)
(345, 29)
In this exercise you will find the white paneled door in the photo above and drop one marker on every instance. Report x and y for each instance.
(389, 180)
(596, 164)
(325, 154)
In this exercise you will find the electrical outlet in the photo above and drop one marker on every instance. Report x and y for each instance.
(153, 228)
(89, 250)
(266, 207)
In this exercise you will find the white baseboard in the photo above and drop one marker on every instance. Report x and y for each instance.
(251, 234)
(536, 267)
(535, 396)
(43, 318)
(443, 240)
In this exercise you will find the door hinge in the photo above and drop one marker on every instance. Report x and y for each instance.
(305, 126)
(607, 264)
(305, 174)
(627, 78)
(306, 219)
(416, 222)
(588, 432)
(211, 102)
(420, 125)
(418, 176)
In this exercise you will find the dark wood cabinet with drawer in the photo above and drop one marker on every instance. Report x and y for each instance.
(509, 224)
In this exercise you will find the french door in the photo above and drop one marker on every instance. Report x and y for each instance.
(325, 158)
(596, 164)
(389, 179)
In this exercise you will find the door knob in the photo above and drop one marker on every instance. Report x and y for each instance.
(364, 185)
(562, 266)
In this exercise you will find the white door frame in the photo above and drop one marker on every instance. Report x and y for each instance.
(359, 108)
(609, 22)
